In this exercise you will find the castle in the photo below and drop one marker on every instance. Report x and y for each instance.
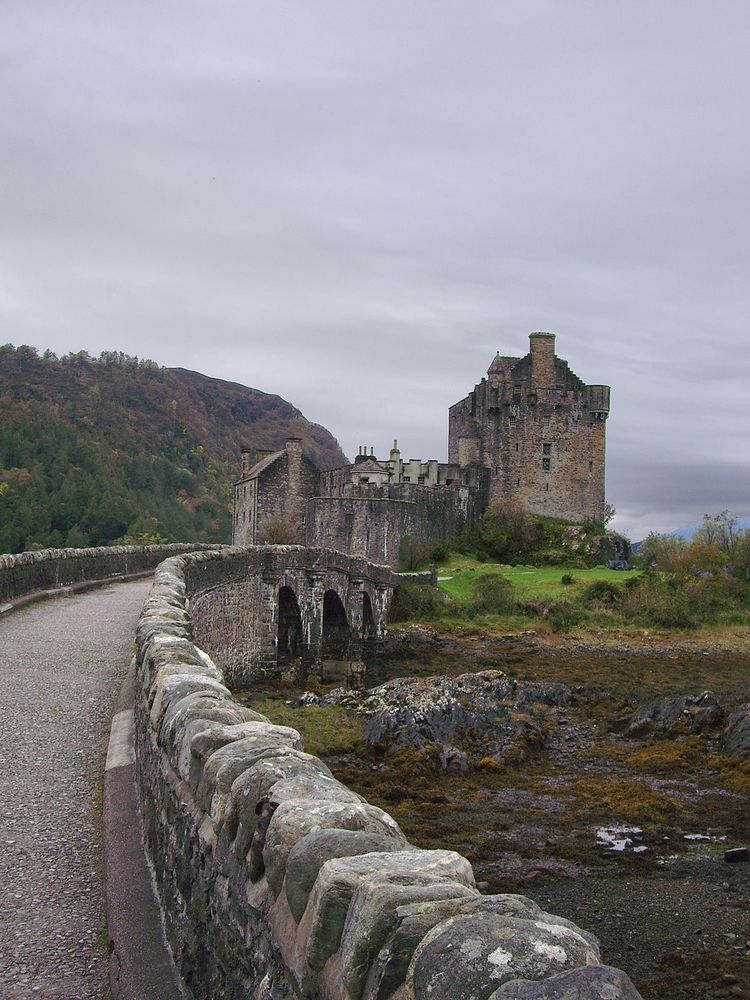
(531, 431)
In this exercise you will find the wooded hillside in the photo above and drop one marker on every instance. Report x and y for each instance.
(94, 450)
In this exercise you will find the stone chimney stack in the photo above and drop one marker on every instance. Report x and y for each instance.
(542, 346)
(247, 461)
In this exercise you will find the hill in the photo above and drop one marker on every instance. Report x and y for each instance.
(93, 450)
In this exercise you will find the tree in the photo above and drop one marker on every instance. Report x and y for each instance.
(508, 532)
(659, 551)
(719, 530)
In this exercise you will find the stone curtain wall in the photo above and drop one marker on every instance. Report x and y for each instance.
(48, 569)
(279, 882)
(373, 521)
(234, 601)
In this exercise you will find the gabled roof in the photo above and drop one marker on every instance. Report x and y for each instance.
(260, 467)
(370, 466)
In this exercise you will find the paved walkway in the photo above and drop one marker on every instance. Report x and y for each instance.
(62, 663)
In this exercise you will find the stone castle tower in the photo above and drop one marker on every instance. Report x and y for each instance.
(538, 431)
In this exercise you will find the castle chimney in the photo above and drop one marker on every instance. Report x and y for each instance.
(247, 461)
(542, 346)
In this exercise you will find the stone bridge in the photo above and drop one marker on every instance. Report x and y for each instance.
(276, 881)
(287, 610)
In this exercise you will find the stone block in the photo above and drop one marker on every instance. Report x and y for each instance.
(593, 982)
(472, 955)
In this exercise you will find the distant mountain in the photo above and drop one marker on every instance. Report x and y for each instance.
(92, 450)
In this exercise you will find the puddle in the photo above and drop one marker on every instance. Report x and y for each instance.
(620, 838)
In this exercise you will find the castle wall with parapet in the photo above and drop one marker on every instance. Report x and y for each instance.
(375, 521)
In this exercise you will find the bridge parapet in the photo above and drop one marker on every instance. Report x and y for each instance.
(27, 573)
(276, 880)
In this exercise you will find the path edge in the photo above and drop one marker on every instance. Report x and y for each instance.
(70, 588)
(141, 966)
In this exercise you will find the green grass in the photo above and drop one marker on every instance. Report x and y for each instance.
(325, 729)
(531, 583)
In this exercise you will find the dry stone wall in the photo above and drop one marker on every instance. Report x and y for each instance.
(277, 881)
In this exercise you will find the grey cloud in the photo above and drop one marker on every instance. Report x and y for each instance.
(355, 204)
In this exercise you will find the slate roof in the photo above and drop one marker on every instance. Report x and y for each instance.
(260, 467)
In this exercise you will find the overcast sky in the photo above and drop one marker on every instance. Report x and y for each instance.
(355, 204)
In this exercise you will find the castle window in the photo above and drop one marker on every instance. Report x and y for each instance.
(420, 480)
(516, 445)
(364, 479)
(516, 393)
(407, 479)
(591, 466)
(546, 449)
(546, 463)
(546, 487)
(512, 420)
(547, 421)
(518, 483)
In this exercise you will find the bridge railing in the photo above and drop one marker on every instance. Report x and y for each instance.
(48, 569)
(278, 882)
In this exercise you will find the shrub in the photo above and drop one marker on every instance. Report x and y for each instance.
(277, 531)
(412, 553)
(563, 616)
(660, 602)
(566, 580)
(440, 553)
(413, 601)
(508, 532)
(491, 593)
(602, 592)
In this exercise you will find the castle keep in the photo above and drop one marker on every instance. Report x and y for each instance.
(531, 431)
(539, 433)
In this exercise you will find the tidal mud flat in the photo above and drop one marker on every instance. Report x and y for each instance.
(606, 786)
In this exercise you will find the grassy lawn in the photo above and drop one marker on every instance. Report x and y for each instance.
(530, 582)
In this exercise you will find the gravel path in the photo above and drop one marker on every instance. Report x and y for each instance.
(60, 676)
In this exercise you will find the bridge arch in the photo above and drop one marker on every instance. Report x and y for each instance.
(369, 626)
(336, 633)
(290, 644)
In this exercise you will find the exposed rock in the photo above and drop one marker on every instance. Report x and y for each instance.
(736, 855)
(594, 982)
(688, 714)
(736, 736)
(482, 714)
